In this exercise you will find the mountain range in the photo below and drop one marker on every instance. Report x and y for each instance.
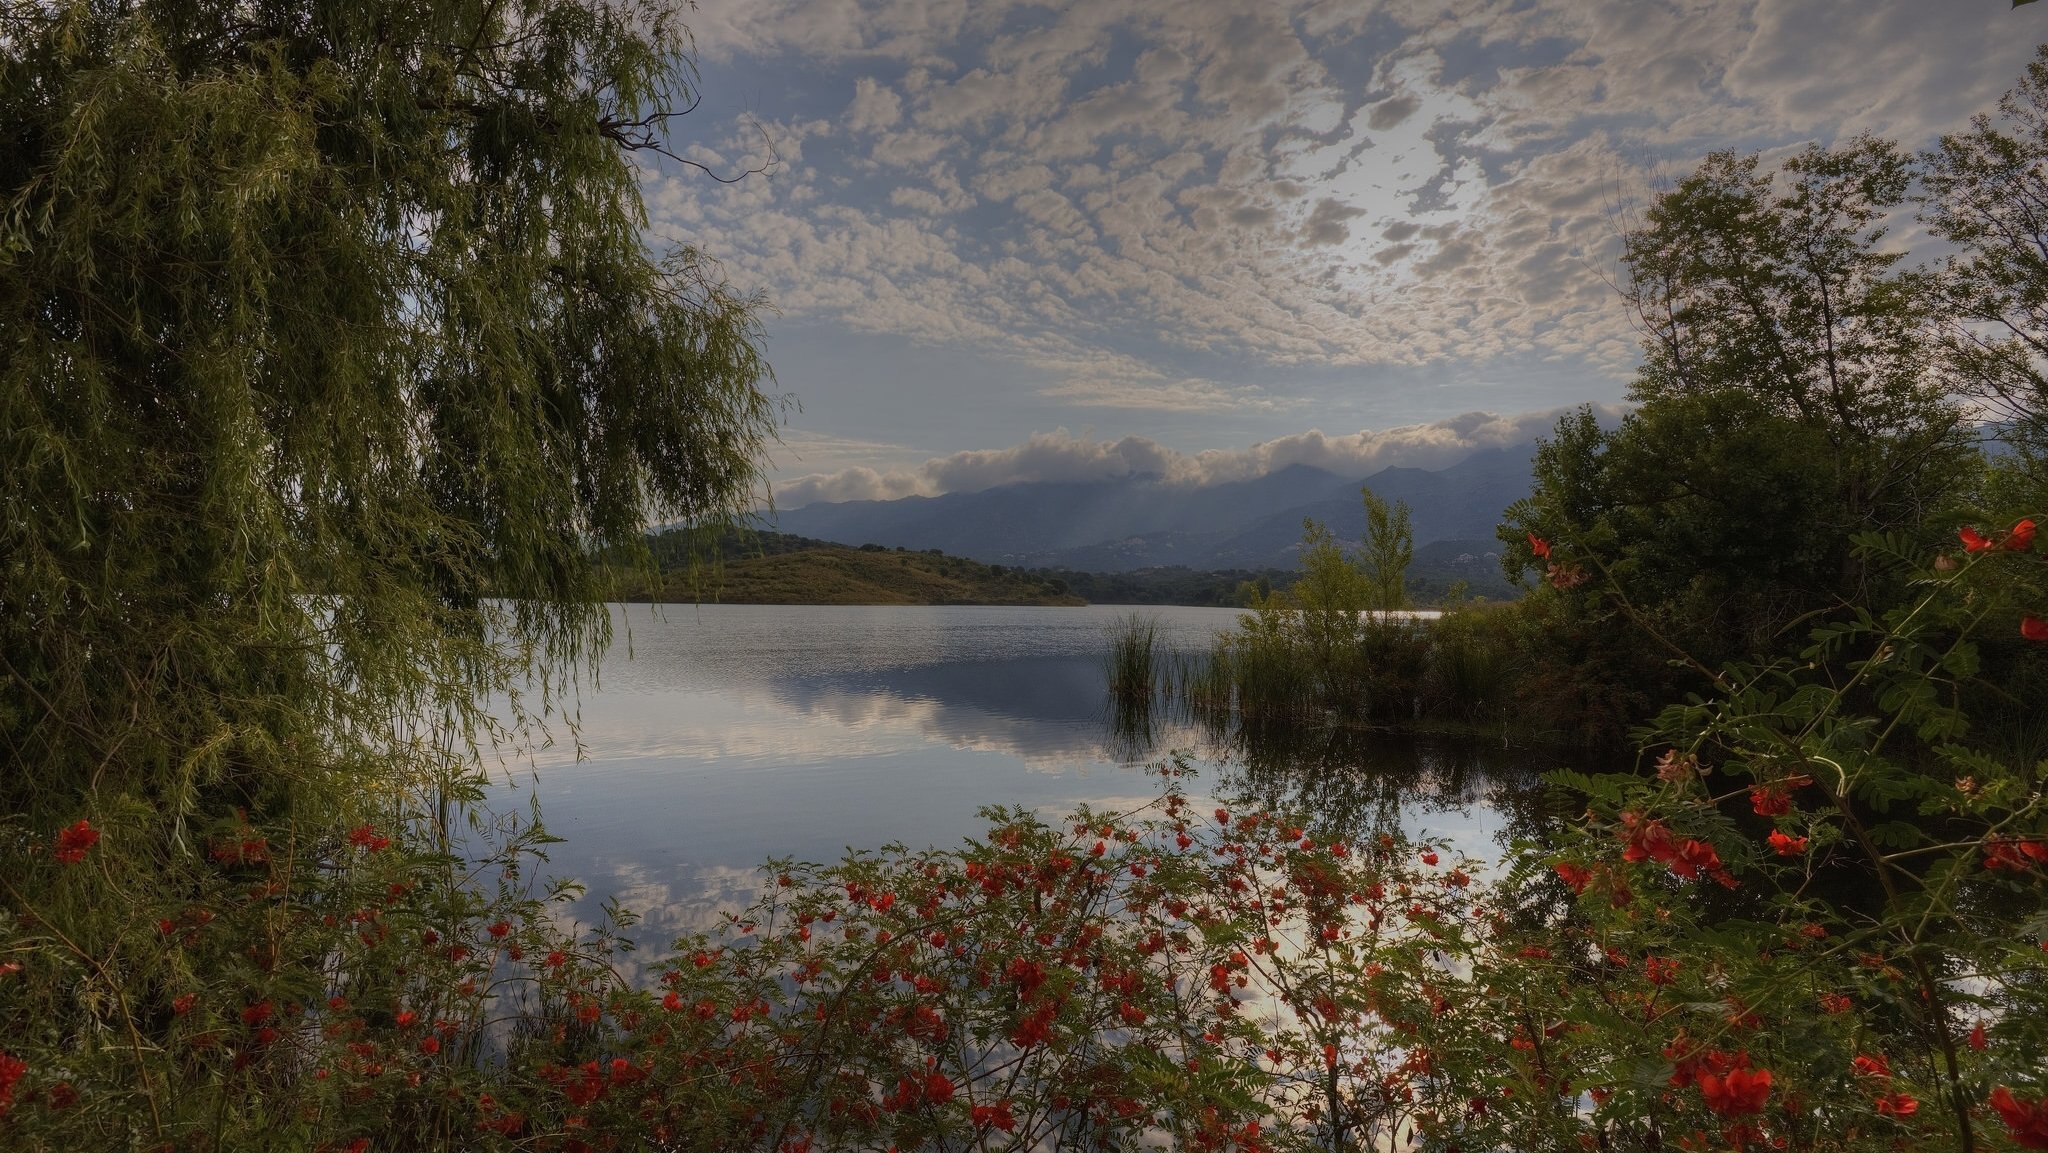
(1140, 521)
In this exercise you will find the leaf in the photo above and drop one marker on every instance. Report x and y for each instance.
(1896, 835)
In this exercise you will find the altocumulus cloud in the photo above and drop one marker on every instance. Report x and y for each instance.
(1061, 456)
(1128, 195)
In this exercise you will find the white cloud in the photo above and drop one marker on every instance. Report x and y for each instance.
(1222, 184)
(1065, 457)
(874, 107)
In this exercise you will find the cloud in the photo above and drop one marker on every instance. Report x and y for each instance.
(1061, 456)
(1247, 191)
(1326, 224)
(874, 107)
(1391, 112)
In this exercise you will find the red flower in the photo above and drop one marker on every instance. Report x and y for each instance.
(2028, 1122)
(1737, 1092)
(624, 1072)
(1646, 840)
(2021, 538)
(2033, 628)
(1035, 1029)
(73, 842)
(1770, 800)
(1576, 877)
(1897, 1105)
(1429, 857)
(996, 1116)
(1977, 1037)
(586, 1088)
(183, 1004)
(365, 837)
(500, 928)
(1696, 857)
(2008, 855)
(1973, 541)
(1836, 1003)
(938, 1089)
(1786, 846)
(12, 1069)
(1878, 1066)
(1652, 841)
(256, 1014)
(1539, 546)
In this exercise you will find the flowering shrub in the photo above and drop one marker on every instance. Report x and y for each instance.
(1820, 922)
(1817, 920)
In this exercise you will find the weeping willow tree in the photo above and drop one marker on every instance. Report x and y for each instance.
(333, 354)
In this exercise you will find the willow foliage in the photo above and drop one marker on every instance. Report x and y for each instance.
(333, 350)
(337, 383)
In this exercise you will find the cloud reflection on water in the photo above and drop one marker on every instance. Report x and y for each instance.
(733, 734)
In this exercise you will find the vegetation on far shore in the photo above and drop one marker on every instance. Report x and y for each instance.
(778, 569)
(762, 567)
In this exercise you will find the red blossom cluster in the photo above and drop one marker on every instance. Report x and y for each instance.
(73, 843)
(2019, 538)
(996, 1116)
(933, 1088)
(1785, 845)
(1726, 1082)
(2014, 855)
(1576, 877)
(12, 1069)
(1773, 800)
(1650, 840)
(1562, 576)
(1878, 1069)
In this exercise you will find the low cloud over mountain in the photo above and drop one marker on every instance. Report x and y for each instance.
(1060, 457)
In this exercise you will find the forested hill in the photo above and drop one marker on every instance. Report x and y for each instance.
(780, 569)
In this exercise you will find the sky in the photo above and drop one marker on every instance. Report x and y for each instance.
(1007, 240)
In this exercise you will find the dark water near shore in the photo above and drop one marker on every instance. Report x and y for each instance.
(719, 736)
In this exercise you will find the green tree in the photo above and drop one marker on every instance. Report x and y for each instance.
(1986, 192)
(1777, 287)
(334, 353)
(1326, 604)
(1791, 394)
(1389, 546)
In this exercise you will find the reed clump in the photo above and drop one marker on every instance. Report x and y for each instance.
(1135, 661)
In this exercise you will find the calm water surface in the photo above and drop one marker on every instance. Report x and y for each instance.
(719, 736)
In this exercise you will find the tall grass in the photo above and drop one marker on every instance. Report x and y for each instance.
(1288, 667)
(1134, 660)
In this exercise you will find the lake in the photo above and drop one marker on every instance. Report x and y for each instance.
(718, 736)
